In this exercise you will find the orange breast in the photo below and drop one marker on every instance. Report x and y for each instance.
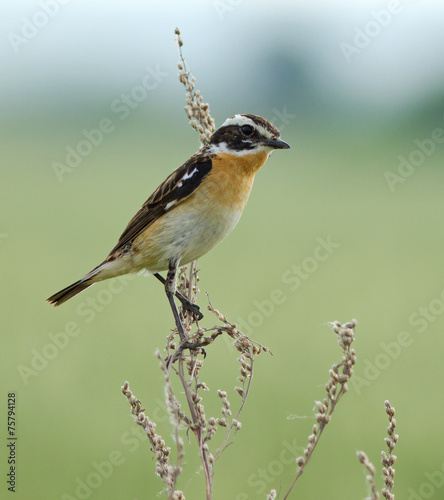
(231, 178)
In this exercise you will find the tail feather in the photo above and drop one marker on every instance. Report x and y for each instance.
(107, 269)
(69, 292)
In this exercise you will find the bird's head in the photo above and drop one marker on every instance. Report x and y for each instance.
(246, 134)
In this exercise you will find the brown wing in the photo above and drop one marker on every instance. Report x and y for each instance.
(174, 189)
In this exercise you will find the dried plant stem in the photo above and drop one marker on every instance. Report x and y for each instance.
(248, 350)
(173, 406)
(337, 380)
(188, 286)
(197, 111)
(167, 473)
(388, 472)
(370, 476)
(388, 461)
(188, 371)
(198, 431)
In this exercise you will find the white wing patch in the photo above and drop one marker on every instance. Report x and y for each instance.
(170, 204)
(179, 185)
(187, 176)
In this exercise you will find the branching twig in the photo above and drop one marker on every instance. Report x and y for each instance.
(203, 428)
(248, 350)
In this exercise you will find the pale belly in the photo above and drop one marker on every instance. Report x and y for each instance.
(185, 237)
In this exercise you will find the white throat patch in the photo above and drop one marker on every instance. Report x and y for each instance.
(223, 148)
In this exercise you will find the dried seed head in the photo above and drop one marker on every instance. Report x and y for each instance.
(226, 412)
(221, 421)
(240, 391)
(322, 407)
(322, 418)
(237, 424)
(351, 324)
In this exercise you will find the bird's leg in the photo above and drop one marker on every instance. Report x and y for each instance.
(187, 304)
(170, 289)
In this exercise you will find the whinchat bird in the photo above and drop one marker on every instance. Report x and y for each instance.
(191, 211)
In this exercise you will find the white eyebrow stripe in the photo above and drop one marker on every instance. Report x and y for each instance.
(240, 120)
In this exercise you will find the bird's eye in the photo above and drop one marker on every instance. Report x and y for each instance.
(247, 129)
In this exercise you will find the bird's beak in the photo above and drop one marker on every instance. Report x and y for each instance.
(276, 144)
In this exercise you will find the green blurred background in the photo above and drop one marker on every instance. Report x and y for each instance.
(353, 88)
